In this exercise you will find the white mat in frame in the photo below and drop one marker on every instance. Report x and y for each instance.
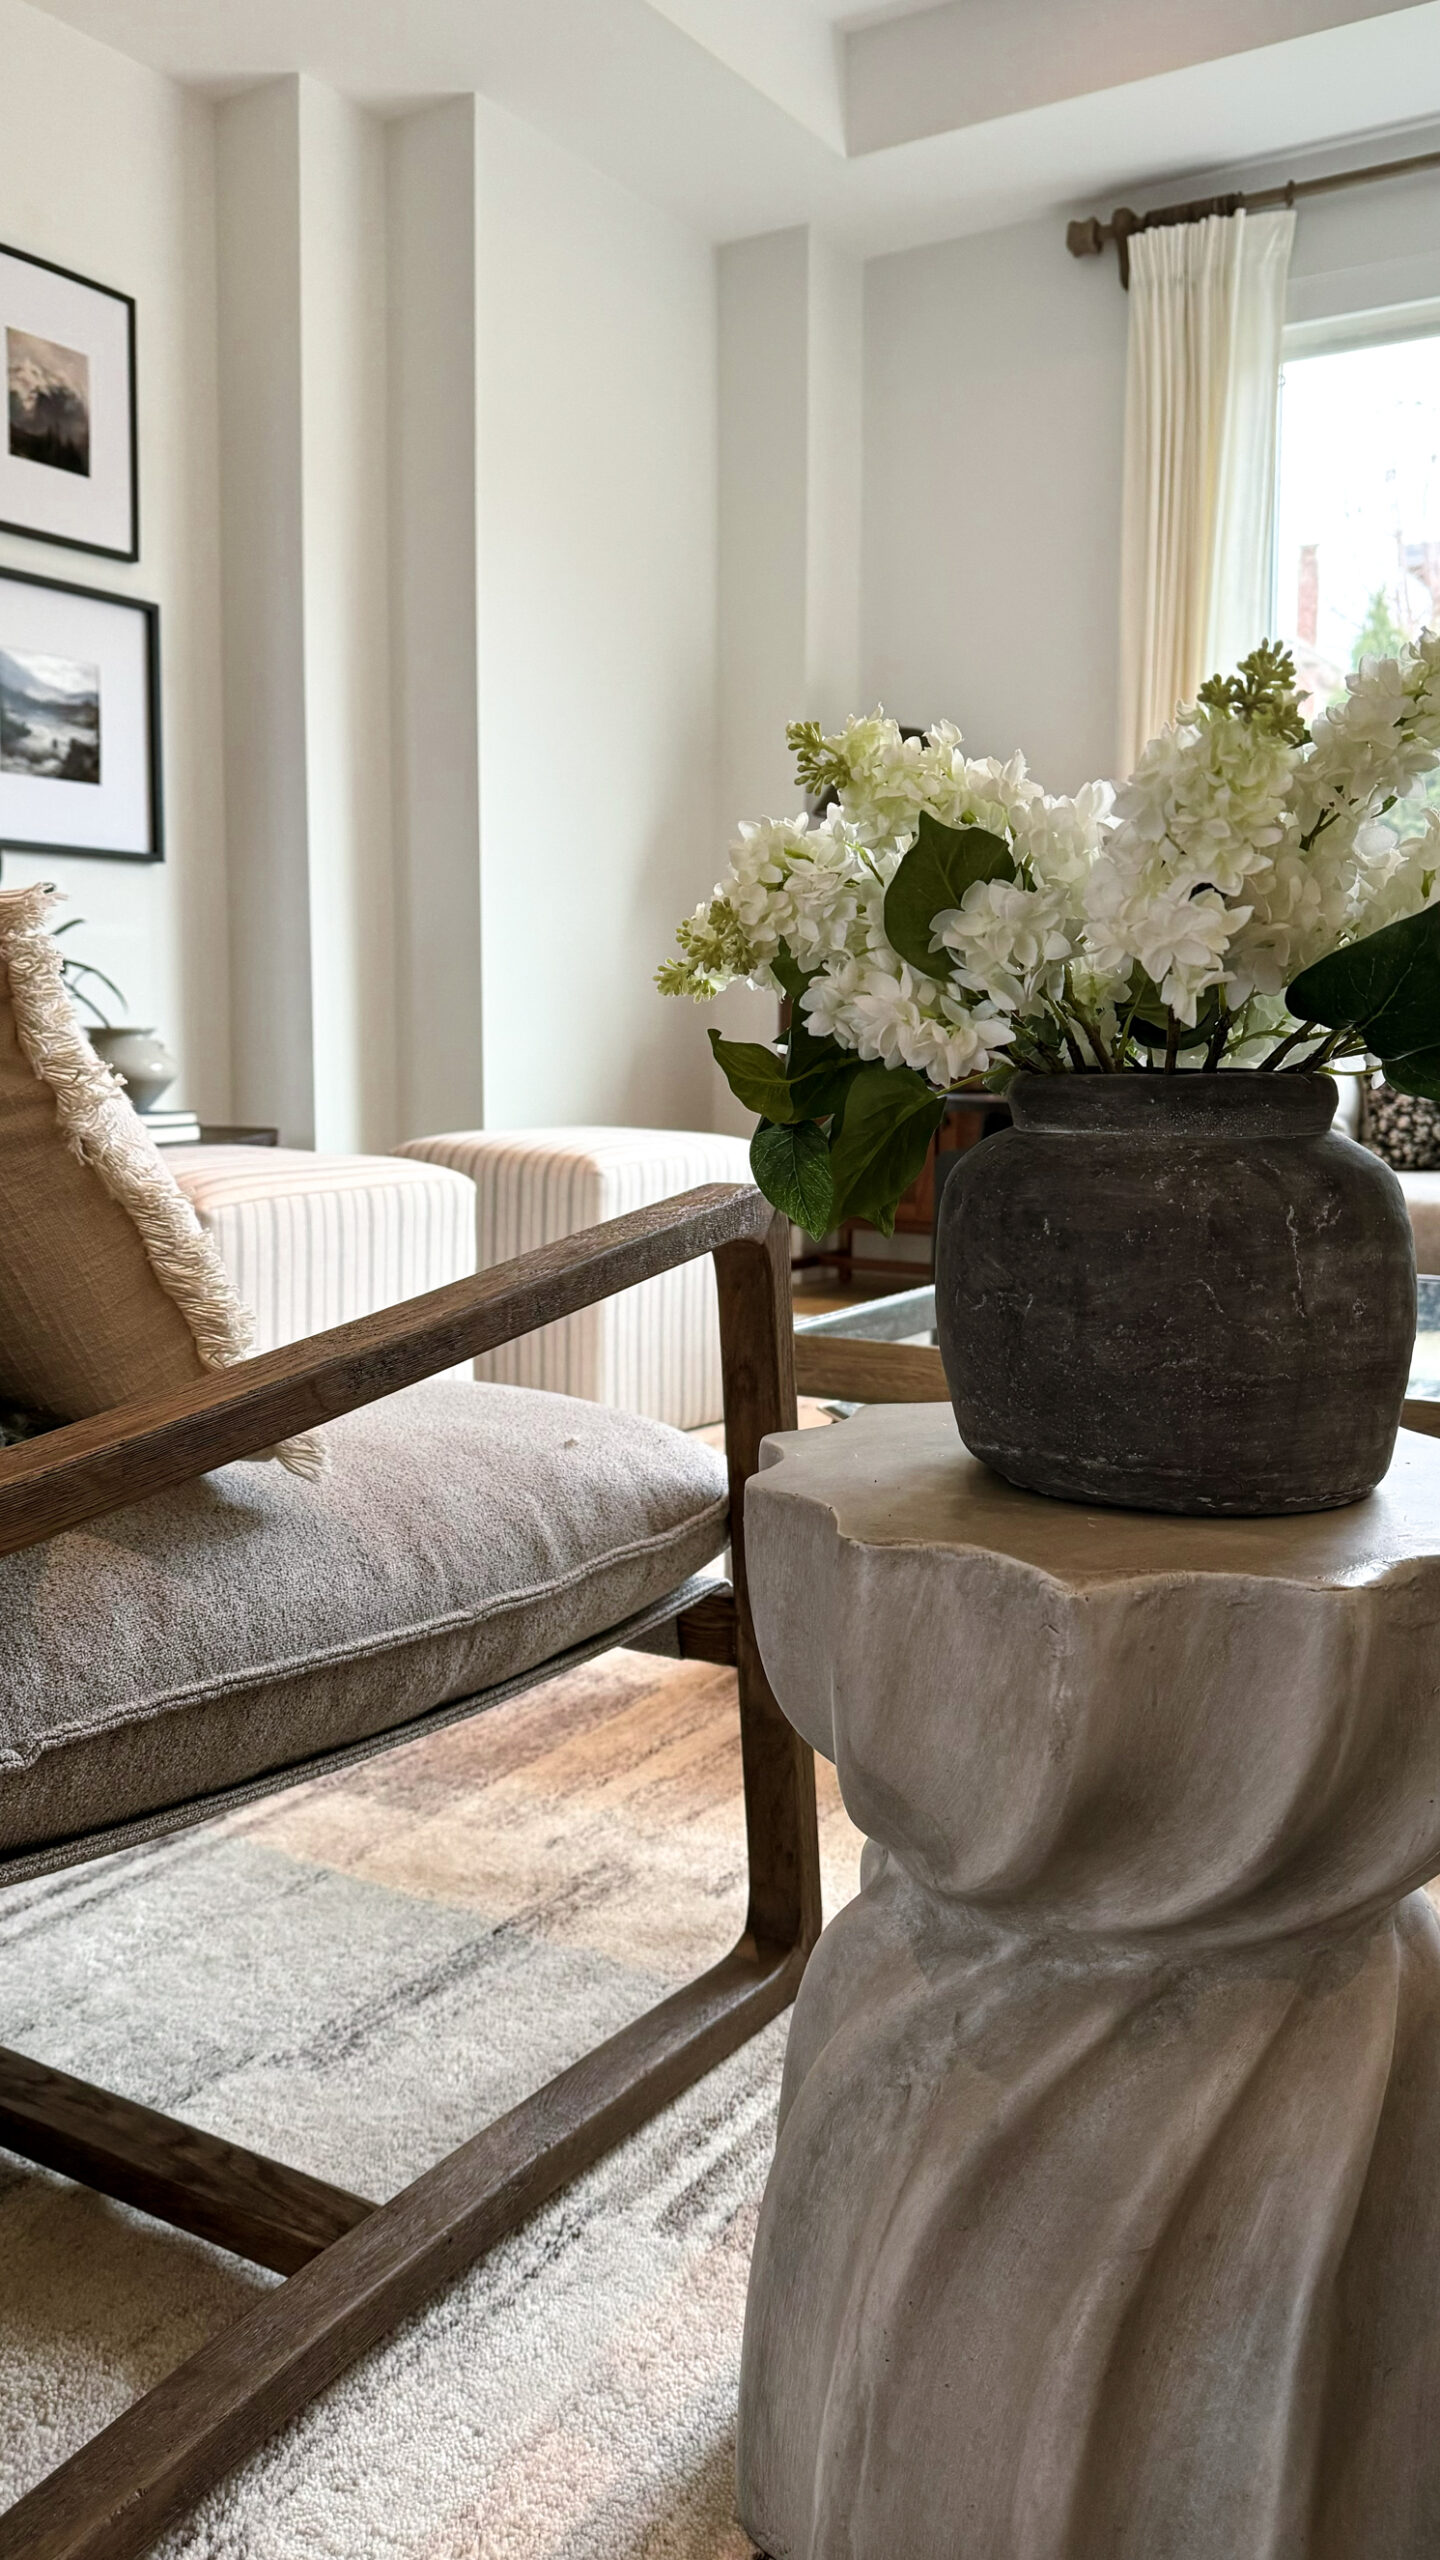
(79, 720)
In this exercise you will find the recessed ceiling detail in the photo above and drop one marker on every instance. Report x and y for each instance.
(886, 125)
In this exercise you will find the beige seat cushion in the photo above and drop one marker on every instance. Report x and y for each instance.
(249, 1620)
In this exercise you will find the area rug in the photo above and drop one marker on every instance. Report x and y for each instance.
(354, 1977)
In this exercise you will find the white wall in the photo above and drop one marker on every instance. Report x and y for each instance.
(465, 464)
(347, 643)
(435, 613)
(596, 541)
(790, 496)
(304, 490)
(108, 168)
(995, 383)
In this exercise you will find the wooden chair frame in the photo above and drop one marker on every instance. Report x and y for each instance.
(354, 2269)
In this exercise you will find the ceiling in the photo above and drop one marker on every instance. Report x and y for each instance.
(887, 125)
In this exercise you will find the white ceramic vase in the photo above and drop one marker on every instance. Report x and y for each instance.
(140, 1059)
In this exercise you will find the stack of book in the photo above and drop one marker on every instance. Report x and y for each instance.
(172, 1128)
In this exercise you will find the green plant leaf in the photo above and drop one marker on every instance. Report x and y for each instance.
(792, 977)
(1419, 1073)
(1387, 986)
(889, 1119)
(819, 1070)
(1155, 1034)
(774, 1090)
(820, 1092)
(757, 1078)
(940, 866)
(792, 1167)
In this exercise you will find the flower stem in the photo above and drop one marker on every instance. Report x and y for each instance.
(1305, 1032)
(1218, 1038)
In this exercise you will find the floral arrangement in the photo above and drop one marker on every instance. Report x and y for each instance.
(945, 923)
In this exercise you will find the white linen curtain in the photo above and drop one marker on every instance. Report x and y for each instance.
(1207, 306)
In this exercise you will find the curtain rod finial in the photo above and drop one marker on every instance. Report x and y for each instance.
(1085, 239)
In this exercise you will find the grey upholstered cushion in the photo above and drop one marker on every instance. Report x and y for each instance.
(463, 1534)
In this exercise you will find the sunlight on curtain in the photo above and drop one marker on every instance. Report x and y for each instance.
(1207, 306)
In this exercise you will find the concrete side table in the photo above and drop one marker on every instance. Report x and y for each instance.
(1105, 2218)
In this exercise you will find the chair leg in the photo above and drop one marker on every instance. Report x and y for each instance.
(757, 1352)
(114, 2498)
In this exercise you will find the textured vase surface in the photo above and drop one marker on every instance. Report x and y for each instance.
(1177, 1293)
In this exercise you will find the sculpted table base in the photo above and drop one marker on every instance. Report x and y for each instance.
(1104, 2222)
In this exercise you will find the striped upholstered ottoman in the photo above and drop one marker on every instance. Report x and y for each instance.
(312, 1240)
(655, 1349)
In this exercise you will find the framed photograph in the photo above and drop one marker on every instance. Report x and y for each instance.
(79, 721)
(68, 464)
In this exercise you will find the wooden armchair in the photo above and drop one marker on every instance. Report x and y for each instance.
(354, 2268)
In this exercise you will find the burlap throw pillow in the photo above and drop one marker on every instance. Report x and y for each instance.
(109, 1286)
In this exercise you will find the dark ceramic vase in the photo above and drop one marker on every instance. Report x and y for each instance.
(1177, 1293)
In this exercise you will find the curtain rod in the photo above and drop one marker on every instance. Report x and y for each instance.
(1087, 239)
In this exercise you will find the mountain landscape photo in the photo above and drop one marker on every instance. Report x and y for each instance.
(49, 717)
(48, 388)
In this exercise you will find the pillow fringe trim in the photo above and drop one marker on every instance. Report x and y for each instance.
(103, 1130)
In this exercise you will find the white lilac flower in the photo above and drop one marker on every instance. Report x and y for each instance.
(1177, 935)
(1208, 798)
(890, 1013)
(1386, 730)
(1012, 943)
(903, 1019)
(1239, 851)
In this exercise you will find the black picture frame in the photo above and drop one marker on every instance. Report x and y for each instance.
(111, 293)
(149, 614)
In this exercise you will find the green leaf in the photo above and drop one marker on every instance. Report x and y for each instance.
(940, 866)
(764, 1084)
(820, 1071)
(792, 977)
(890, 1117)
(1419, 1073)
(1387, 986)
(792, 1167)
(1155, 1035)
(821, 1091)
(757, 1078)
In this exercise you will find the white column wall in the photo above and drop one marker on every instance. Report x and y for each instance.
(344, 443)
(791, 349)
(263, 607)
(303, 368)
(435, 603)
(596, 563)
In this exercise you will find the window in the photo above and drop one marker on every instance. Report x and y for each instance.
(1358, 516)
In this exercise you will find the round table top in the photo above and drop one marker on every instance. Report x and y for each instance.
(1107, 1720)
(900, 1476)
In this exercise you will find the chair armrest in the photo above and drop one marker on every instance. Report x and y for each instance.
(152, 1442)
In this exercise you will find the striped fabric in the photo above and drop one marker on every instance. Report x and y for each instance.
(312, 1240)
(654, 1349)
